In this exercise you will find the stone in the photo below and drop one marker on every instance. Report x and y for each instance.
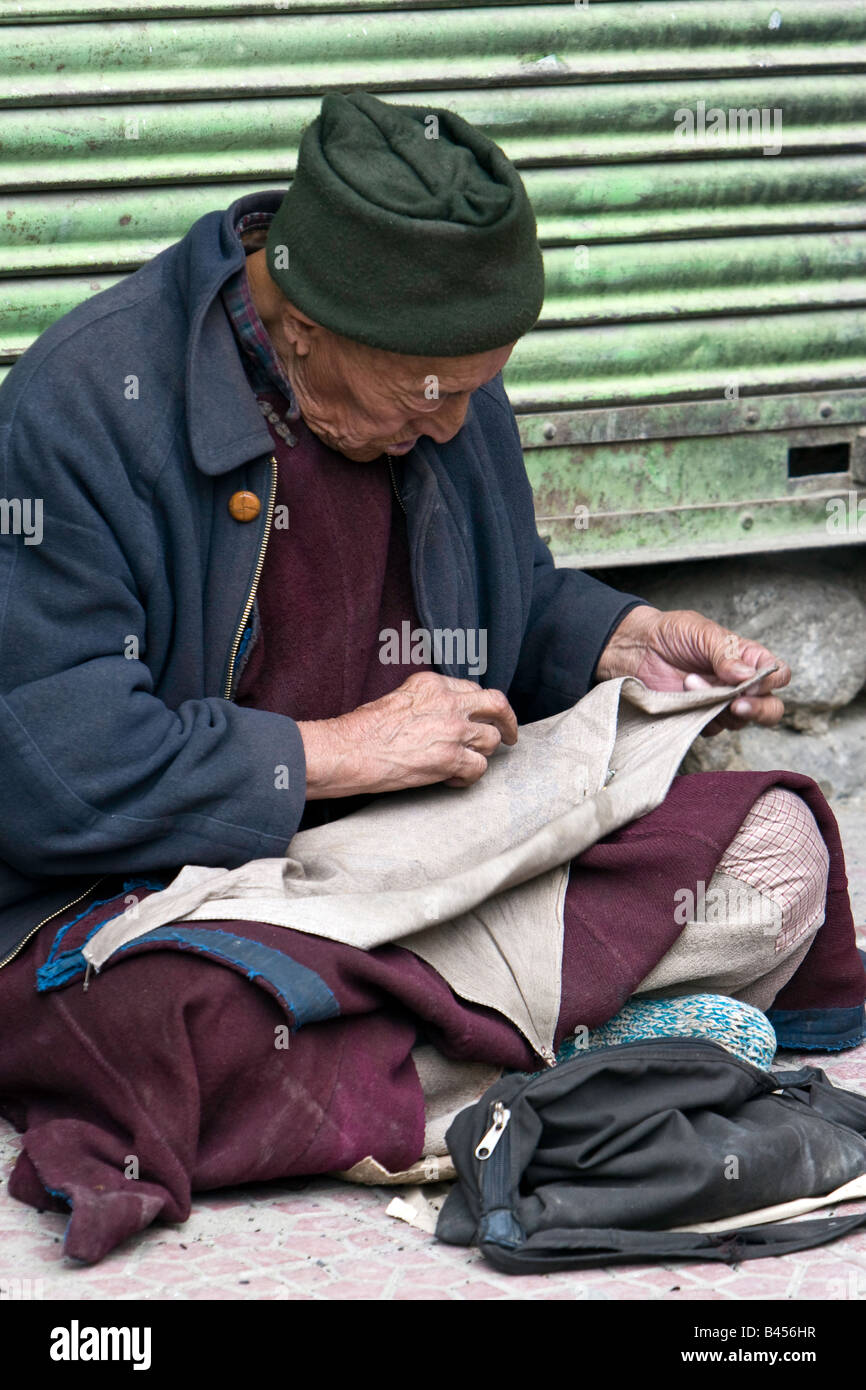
(807, 609)
(717, 753)
(836, 758)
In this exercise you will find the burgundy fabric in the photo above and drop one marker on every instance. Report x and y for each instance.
(341, 567)
(171, 1057)
(171, 1060)
(619, 903)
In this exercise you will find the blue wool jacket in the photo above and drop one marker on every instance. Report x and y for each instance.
(132, 421)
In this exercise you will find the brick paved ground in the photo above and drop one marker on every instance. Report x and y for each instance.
(329, 1240)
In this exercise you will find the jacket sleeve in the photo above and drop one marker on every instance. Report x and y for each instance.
(571, 618)
(98, 773)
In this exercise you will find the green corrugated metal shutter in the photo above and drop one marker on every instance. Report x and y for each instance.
(706, 303)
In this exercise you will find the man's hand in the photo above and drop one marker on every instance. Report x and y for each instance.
(431, 729)
(681, 650)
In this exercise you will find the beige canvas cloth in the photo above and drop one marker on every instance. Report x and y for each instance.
(472, 880)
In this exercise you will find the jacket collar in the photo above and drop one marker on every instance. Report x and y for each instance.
(225, 425)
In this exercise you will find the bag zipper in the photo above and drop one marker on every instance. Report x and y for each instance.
(500, 1117)
(493, 1177)
(230, 678)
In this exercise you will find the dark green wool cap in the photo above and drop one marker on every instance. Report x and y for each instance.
(418, 245)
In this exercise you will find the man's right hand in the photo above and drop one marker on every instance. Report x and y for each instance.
(432, 728)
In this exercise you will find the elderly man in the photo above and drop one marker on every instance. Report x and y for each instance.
(282, 439)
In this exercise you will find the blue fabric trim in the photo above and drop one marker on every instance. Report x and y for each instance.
(819, 1030)
(60, 967)
(61, 971)
(100, 902)
(244, 643)
(303, 993)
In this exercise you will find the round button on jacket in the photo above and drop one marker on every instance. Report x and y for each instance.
(244, 506)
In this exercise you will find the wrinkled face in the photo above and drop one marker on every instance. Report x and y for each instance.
(363, 401)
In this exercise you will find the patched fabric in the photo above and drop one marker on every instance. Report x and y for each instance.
(779, 851)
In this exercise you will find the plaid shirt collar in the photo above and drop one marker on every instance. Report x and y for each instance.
(264, 369)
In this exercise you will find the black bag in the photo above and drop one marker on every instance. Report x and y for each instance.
(594, 1161)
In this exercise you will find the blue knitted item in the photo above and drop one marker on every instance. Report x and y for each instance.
(742, 1029)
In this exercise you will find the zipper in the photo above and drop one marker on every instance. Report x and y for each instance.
(394, 483)
(496, 1219)
(500, 1118)
(49, 918)
(248, 606)
(269, 515)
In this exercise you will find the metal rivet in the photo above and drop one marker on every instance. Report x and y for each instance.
(751, 417)
(825, 410)
(747, 521)
(549, 430)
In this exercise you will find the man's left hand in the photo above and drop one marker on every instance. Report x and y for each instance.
(681, 650)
